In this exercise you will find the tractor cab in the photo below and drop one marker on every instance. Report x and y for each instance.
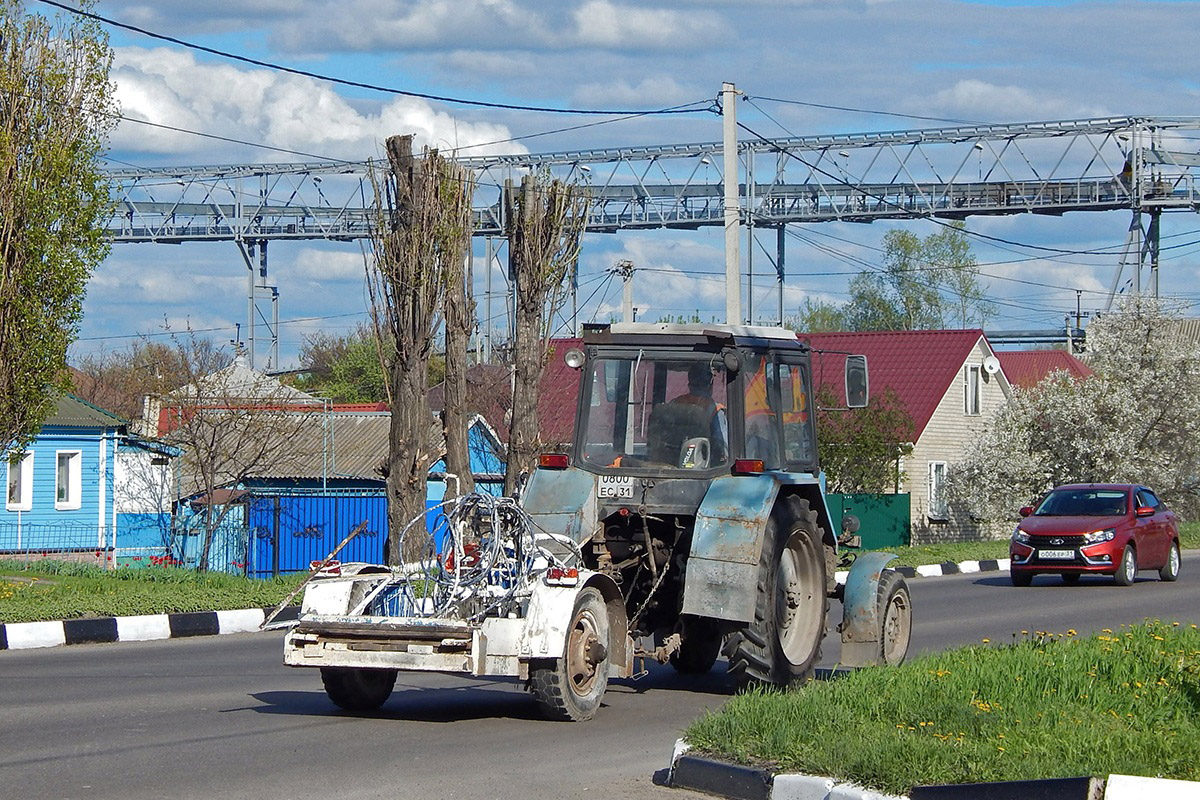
(694, 401)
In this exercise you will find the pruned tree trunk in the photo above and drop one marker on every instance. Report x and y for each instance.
(460, 319)
(419, 232)
(545, 223)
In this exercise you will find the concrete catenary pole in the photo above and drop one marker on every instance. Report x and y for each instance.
(733, 293)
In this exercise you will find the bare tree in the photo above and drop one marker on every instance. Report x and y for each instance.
(233, 425)
(420, 229)
(460, 320)
(545, 221)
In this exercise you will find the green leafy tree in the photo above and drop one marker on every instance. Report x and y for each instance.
(56, 110)
(860, 448)
(925, 284)
(346, 369)
(818, 316)
(1135, 420)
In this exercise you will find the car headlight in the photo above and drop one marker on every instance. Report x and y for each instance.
(1020, 536)
(1095, 537)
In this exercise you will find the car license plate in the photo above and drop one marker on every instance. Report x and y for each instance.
(615, 486)
(1056, 553)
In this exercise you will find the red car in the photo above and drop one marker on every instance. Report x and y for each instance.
(1095, 528)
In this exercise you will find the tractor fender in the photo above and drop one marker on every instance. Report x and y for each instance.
(727, 541)
(548, 621)
(860, 605)
(562, 502)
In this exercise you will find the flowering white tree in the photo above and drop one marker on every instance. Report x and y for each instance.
(1136, 420)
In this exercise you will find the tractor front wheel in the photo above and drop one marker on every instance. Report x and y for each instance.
(783, 643)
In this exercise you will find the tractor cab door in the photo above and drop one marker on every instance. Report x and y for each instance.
(777, 425)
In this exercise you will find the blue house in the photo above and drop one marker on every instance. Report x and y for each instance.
(86, 489)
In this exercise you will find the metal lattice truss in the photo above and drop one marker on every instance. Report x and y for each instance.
(1144, 164)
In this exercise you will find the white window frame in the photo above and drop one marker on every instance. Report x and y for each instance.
(936, 485)
(973, 390)
(74, 487)
(24, 486)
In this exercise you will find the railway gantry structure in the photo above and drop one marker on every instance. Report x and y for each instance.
(1146, 165)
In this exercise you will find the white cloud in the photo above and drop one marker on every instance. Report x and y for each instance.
(651, 92)
(602, 23)
(325, 266)
(981, 100)
(289, 112)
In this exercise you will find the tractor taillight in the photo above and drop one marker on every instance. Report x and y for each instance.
(553, 461)
(749, 466)
(562, 576)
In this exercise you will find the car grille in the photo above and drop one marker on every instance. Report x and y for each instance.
(1059, 542)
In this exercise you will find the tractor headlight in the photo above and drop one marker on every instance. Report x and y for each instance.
(1095, 537)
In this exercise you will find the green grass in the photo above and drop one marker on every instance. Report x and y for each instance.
(1046, 705)
(48, 590)
(915, 556)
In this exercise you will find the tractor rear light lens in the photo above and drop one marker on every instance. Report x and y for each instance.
(553, 461)
(749, 466)
(562, 576)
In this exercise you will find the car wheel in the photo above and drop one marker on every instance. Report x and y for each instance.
(1127, 570)
(1070, 578)
(1170, 570)
(1020, 578)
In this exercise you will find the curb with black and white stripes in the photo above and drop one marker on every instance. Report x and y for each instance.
(98, 630)
(947, 568)
(738, 782)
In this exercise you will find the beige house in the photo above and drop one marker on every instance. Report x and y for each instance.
(952, 384)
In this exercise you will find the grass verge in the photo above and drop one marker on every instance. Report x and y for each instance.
(1046, 706)
(49, 590)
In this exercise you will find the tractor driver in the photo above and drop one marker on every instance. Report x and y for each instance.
(700, 391)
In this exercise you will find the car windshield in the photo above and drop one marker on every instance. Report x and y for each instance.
(657, 410)
(1084, 503)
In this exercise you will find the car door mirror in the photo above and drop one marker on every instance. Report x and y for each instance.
(1145, 511)
(1025, 511)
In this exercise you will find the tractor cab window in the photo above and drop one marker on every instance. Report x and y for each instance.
(777, 426)
(652, 410)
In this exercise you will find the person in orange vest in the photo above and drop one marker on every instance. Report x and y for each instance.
(700, 391)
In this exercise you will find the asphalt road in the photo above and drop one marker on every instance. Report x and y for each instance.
(221, 717)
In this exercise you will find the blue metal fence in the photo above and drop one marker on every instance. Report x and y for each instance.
(287, 533)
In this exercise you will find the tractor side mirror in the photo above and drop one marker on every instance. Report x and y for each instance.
(857, 382)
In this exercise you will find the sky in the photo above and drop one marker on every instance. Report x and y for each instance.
(900, 64)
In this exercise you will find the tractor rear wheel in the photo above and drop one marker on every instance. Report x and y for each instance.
(357, 689)
(570, 688)
(783, 643)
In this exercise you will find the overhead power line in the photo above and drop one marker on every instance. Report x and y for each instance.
(369, 86)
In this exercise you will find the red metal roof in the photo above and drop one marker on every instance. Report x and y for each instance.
(1027, 368)
(489, 393)
(919, 366)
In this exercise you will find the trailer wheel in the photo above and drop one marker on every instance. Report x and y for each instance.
(356, 689)
(783, 643)
(700, 647)
(570, 688)
(895, 618)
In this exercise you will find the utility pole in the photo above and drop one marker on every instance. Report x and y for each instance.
(733, 287)
(624, 268)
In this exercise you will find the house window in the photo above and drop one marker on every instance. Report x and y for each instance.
(937, 491)
(19, 496)
(971, 386)
(67, 480)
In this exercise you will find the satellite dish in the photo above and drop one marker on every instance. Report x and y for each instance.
(991, 365)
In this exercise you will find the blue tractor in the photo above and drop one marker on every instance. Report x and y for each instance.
(693, 493)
